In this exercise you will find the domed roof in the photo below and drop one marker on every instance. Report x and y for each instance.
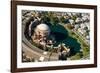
(43, 27)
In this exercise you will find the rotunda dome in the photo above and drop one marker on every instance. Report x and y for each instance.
(43, 27)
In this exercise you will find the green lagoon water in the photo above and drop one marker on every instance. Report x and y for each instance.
(62, 36)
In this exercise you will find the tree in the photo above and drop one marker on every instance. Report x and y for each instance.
(45, 19)
(74, 18)
(55, 20)
(62, 19)
(86, 51)
(70, 26)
